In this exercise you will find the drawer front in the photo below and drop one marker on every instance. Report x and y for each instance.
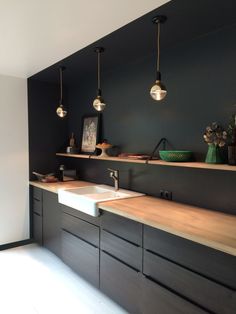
(156, 299)
(37, 206)
(81, 229)
(82, 257)
(37, 193)
(125, 251)
(200, 290)
(38, 228)
(204, 260)
(79, 214)
(120, 282)
(125, 228)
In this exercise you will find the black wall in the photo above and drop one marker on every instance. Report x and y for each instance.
(200, 77)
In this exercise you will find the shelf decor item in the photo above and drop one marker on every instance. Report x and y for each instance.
(104, 146)
(232, 141)
(175, 155)
(61, 112)
(215, 136)
(158, 90)
(98, 103)
(90, 134)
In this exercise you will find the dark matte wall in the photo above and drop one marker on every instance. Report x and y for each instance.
(200, 77)
(47, 133)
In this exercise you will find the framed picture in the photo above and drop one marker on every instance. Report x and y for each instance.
(90, 132)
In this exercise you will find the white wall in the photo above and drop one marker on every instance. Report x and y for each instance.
(14, 208)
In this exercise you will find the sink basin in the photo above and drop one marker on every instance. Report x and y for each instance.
(86, 199)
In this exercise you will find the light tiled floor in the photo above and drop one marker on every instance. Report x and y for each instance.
(34, 281)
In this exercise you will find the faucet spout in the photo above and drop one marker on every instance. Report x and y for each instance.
(114, 174)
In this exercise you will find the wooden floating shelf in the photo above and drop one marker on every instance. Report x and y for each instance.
(199, 165)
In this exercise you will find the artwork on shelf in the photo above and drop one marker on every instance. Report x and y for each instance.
(90, 134)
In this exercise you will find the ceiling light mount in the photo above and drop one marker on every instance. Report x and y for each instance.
(159, 19)
(98, 103)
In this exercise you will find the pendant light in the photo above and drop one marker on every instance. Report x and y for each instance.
(61, 112)
(158, 90)
(98, 102)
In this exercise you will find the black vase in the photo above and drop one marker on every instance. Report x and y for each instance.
(232, 155)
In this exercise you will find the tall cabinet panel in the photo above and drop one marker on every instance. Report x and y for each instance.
(51, 223)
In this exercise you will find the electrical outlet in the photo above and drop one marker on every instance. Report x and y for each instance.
(167, 195)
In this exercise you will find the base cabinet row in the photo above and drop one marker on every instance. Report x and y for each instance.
(145, 270)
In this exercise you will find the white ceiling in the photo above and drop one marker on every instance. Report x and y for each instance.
(35, 34)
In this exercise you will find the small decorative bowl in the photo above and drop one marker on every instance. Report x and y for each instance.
(175, 155)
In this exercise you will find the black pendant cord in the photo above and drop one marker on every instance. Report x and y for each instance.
(61, 95)
(158, 47)
(158, 74)
(99, 73)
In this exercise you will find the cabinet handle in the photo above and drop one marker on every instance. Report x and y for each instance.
(122, 262)
(119, 237)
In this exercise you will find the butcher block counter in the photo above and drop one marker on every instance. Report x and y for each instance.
(210, 228)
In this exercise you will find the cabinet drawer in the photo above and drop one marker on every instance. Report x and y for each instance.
(198, 289)
(38, 228)
(199, 258)
(79, 214)
(82, 257)
(125, 251)
(81, 228)
(125, 228)
(120, 282)
(156, 299)
(37, 206)
(37, 193)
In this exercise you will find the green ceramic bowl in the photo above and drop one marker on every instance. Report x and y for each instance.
(175, 155)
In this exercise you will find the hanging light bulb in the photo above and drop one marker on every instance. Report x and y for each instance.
(61, 112)
(98, 102)
(158, 90)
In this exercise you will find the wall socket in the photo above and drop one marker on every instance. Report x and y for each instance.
(167, 195)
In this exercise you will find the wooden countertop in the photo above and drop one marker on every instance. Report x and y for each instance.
(55, 186)
(213, 229)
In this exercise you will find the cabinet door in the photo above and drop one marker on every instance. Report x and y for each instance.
(127, 229)
(194, 287)
(157, 299)
(81, 256)
(120, 282)
(37, 228)
(80, 228)
(210, 263)
(123, 250)
(51, 223)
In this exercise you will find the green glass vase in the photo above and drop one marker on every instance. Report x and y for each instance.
(213, 155)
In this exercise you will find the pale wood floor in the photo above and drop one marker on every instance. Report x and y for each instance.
(35, 281)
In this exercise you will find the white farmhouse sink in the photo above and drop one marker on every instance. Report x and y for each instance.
(86, 199)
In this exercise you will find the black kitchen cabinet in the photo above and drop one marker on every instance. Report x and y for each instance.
(36, 205)
(51, 223)
(80, 246)
(156, 299)
(37, 228)
(201, 259)
(81, 228)
(144, 269)
(124, 228)
(81, 256)
(120, 282)
(198, 289)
